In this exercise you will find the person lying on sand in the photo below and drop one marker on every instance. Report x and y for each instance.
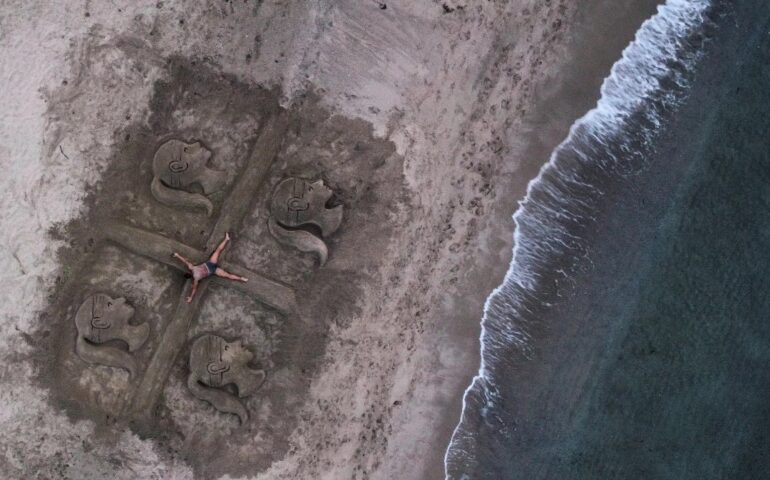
(208, 268)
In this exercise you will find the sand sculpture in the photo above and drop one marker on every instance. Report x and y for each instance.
(176, 167)
(101, 319)
(298, 204)
(215, 363)
(219, 371)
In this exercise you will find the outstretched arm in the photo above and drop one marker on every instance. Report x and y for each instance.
(192, 292)
(184, 260)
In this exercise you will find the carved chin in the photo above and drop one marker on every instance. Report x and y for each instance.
(212, 181)
(250, 382)
(330, 220)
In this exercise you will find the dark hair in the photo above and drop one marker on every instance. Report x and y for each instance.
(188, 275)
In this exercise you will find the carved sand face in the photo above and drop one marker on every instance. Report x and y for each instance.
(100, 319)
(217, 363)
(176, 167)
(297, 202)
(214, 363)
(180, 165)
(226, 361)
(236, 353)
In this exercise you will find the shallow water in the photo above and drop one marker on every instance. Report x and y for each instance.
(631, 337)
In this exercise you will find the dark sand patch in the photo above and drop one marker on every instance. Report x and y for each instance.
(195, 101)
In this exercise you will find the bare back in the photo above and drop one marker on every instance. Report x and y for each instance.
(199, 272)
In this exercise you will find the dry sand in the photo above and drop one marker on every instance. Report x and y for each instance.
(461, 102)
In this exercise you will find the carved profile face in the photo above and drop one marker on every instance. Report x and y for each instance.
(180, 164)
(298, 203)
(225, 360)
(236, 353)
(215, 363)
(100, 319)
(177, 166)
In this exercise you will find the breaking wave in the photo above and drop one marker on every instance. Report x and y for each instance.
(611, 141)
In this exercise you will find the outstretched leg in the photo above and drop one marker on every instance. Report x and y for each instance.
(215, 256)
(222, 273)
(184, 260)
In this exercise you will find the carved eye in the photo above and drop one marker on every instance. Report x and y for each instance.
(227, 347)
(109, 304)
(184, 149)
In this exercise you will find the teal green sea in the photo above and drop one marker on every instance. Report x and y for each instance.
(641, 283)
(686, 392)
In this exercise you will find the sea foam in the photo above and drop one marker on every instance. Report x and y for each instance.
(644, 87)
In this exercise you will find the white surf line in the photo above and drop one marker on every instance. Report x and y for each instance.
(632, 80)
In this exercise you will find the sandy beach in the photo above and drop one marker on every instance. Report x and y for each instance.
(427, 121)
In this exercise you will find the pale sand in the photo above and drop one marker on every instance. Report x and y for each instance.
(473, 99)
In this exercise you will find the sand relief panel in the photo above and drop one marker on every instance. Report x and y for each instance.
(262, 333)
(298, 204)
(219, 370)
(102, 319)
(113, 308)
(221, 380)
(216, 363)
(177, 167)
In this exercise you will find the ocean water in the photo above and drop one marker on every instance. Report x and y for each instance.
(631, 336)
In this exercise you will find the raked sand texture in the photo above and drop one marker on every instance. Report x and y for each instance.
(460, 103)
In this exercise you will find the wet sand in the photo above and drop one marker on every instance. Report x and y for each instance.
(600, 31)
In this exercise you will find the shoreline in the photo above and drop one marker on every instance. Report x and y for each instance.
(573, 92)
(530, 372)
(565, 102)
(471, 130)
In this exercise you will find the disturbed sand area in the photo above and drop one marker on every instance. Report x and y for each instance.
(194, 101)
(407, 111)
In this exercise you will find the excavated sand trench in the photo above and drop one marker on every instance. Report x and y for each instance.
(192, 102)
